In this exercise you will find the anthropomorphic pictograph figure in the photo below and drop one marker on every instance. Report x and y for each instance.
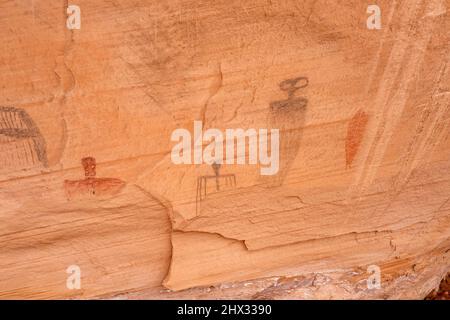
(288, 116)
(220, 180)
(91, 185)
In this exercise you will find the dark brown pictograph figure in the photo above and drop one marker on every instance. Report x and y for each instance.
(22, 145)
(91, 185)
(292, 103)
(202, 190)
(288, 116)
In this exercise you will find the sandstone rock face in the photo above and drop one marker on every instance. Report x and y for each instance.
(88, 179)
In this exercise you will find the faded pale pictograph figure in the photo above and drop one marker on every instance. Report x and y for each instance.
(374, 280)
(219, 182)
(22, 145)
(91, 185)
(287, 115)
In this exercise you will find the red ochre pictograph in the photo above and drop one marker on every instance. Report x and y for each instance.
(91, 185)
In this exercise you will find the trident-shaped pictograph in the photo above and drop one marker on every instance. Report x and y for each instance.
(202, 190)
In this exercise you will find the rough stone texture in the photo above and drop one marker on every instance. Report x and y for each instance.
(442, 292)
(364, 173)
